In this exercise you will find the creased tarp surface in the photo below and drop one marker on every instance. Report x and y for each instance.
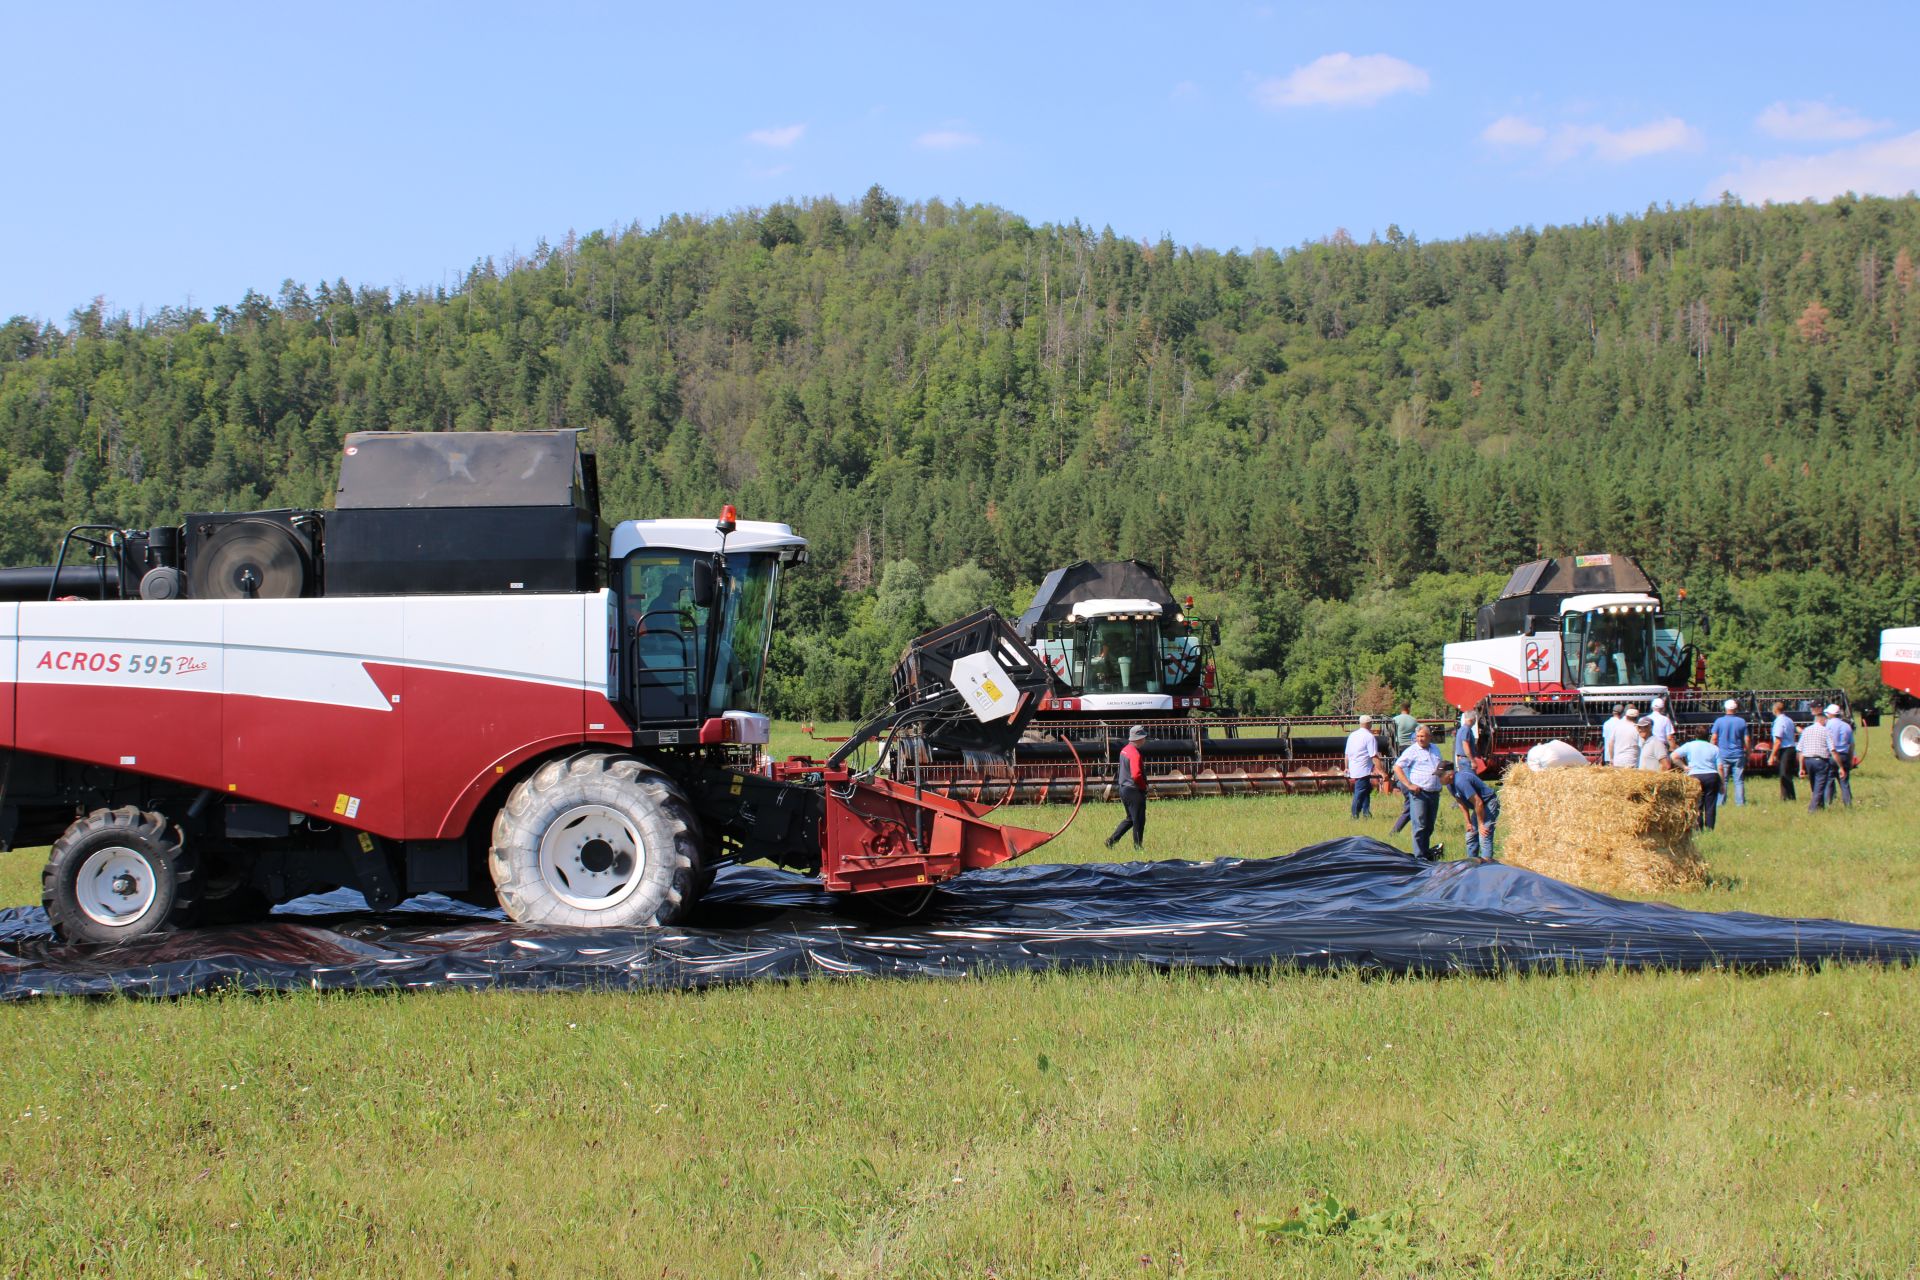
(1348, 903)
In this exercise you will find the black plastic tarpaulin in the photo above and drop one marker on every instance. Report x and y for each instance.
(1353, 903)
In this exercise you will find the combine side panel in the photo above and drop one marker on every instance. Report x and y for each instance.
(9, 668)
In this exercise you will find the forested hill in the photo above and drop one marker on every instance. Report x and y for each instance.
(1730, 393)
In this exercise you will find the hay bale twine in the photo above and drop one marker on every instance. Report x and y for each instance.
(1615, 830)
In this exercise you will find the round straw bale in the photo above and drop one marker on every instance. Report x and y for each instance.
(1615, 830)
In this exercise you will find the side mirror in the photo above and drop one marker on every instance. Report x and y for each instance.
(706, 584)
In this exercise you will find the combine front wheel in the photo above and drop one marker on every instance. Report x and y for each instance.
(116, 875)
(1906, 735)
(596, 840)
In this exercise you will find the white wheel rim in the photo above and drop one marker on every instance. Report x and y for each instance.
(116, 885)
(1908, 740)
(592, 857)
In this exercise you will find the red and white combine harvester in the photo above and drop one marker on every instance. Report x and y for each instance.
(458, 680)
(1900, 672)
(1123, 651)
(1569, 639)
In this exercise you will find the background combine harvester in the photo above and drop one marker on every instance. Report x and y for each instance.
(1568, 639)
(1122, 652)
(1900, 672)
(458, 680)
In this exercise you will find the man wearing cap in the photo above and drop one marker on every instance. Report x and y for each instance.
(1363, 766)
(1130, 776)
(1786, 744)
(1610, 733)
(1816, 760)
(1730, 740)
(1481, 806)
(1661, 723)
(1418, 770)
(1626, 742)
(1655, 755)
(1840, 738)
(1702, 763)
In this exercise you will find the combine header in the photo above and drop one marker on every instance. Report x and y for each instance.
(458, 680)
(1123, 651)
(1569, 639)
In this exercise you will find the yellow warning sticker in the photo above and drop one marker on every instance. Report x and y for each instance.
(346, 806)
(366, 843)
(992, 690)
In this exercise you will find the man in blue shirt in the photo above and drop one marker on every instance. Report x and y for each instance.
(1701, 760)
(1418, 771)
(1481, 806)
(1840, 738)
(1730, 740)
(1465, 742)
(1786, 745)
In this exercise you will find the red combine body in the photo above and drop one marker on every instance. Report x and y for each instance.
(1569, 639)
(458, 681)
(1900, 672)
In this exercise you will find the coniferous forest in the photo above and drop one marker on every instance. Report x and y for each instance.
(1340, 448)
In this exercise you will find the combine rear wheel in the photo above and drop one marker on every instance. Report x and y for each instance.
(1906, 735)
(117, 875)
(596, 840)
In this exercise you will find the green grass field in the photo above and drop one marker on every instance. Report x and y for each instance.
(1125, 1123)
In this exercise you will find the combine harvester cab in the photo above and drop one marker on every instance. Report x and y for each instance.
(1900, 672)
(1123, 651)
(1569, 639)
(458, 680)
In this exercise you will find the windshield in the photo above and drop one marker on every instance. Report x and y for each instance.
(1123, 655)
(671, 638)
(1605, 649)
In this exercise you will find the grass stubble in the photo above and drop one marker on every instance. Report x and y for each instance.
(1117, 1123)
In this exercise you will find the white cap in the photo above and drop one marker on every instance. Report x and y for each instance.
(1366, 719)
(1631, 714)
(1833, 708)
(1659, 704)
(1731, 704)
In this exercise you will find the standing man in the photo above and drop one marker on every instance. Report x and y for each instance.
(1786, 742)
(1840, 740)
(1702, 762)
(1610, 733)
(1655, 755)
(1131, 776)
(1730, 740)
(1418, 770)
(1404, 727)
(1626, 741)
(1481, 806)
(1816, 761)
(1363, 766)
(1466, 744)
(1662, 723)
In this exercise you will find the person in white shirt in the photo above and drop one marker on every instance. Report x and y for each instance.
(1662, 725)
(1418, 770)
(1363, 766)
(1816, 761)
(1610, 733)
(1655, 755)
(1626, 743)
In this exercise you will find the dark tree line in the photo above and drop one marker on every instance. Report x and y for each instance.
(1306, 438)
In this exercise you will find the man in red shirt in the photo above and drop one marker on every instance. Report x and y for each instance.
(1131, 778)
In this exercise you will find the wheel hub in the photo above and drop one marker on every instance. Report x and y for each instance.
(115, 885)
(1909, 737)
(592, 857)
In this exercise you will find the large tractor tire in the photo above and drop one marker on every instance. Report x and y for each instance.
(1906, 735)
(117, 875)
(596, 840)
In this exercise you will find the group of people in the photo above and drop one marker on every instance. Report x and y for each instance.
(1425, 779)
(1716, 754)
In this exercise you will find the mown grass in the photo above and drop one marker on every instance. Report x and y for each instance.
(1123, 1123)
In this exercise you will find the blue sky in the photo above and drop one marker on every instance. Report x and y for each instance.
(161, 153)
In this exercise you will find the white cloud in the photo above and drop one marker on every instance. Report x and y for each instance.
(783, 137)
(1890, 167)
(1617, 146)
(1342, 80)
(1513, 131)
(947, 139)
(1816, 122)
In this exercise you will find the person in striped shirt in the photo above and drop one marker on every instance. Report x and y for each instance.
(1816, 760)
